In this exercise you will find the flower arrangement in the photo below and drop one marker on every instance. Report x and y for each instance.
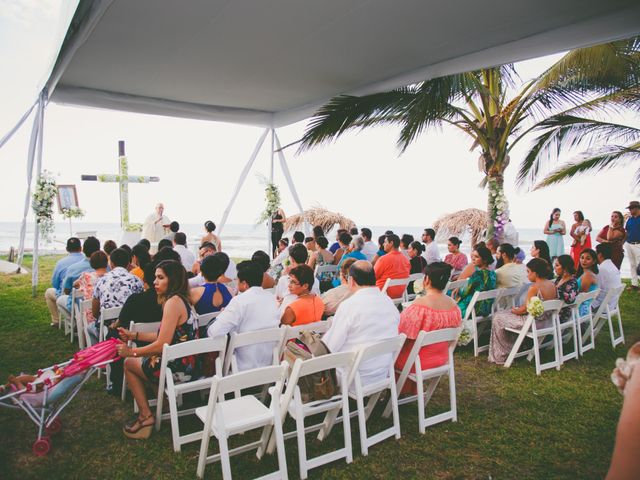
(465, 336)
(418, 287)
(535, 308)
(42, 203)
(498, 208)
(72, 212)
(132, 227)
(272, 196)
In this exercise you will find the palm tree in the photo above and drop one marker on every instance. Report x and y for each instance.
(484, 104)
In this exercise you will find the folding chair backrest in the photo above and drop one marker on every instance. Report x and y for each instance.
(456, 285)
(252, 378)
(394, 282)
(293, 331)
(267, 335)
(326, 362)
(586, 296)
(552, 305)
(508, 297)
(194, 347)
(205, 318)
(110, 313)
(415, 276)
(141, 327)
(390, 346)
(438, 336)
(479, 297)
(320, 269)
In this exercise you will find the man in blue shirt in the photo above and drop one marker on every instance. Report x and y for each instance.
(633, 241)
(90, 246)
(60, 270)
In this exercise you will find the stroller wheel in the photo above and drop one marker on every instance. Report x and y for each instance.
(41, 447)
(55, 427)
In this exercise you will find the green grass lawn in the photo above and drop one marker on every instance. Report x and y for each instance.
(511, 424)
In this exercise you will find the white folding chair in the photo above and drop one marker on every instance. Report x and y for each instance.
(292, 402)
(81, 322)
(478, 323)
(606, 312)
(139, 327)
(223, 418)
(567, 331)
(293, 331)
(585, 341)
(105, 315)
(174, 391)
(320, 269)
(273, 336)
(507, 298)
(531, 330)
(412, 278)
(357, 391)
(396, 282)
(432, 375)
(70, 318)
(457, 285)
(205, 319)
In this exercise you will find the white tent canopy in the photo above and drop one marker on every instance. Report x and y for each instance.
(272, 63)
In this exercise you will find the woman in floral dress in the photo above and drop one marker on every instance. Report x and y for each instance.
(566, 284)
(178, 325)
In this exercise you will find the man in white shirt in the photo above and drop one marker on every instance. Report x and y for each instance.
(492, 245)
(253, 309)
(608, 275)
(367, 316)
(510, 274)
(186, 256)
(431, 253)
(298, 255)
(370, 248)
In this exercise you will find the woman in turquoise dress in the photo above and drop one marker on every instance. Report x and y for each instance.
(587, 277)
(555, 229)
(481, 280)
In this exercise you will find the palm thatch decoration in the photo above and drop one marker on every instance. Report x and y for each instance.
(318, 216)
(470, 220)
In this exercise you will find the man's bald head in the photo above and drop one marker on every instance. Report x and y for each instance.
(362, 274)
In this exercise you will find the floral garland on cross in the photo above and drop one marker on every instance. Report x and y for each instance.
(42, 203)
(272, 197)
(498, 208)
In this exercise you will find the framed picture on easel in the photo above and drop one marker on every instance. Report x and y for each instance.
(67, 197)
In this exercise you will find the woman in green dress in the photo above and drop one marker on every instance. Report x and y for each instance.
(481, 280)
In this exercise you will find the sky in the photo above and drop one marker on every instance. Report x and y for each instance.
(362, 175)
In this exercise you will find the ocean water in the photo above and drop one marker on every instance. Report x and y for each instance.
(237, 240)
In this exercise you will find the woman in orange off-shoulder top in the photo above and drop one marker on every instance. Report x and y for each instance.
(307, 307)
(434, 311)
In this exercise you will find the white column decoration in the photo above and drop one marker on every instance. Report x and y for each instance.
(36, 232)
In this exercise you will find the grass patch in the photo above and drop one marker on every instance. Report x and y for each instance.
(511, 424)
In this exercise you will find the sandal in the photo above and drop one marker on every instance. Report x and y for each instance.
(139, 428)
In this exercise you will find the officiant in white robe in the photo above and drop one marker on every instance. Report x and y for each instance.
(156, 226)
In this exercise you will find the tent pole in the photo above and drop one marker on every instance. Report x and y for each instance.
(270, 247)
(17, 126)
(287, 175)
(27, 200)
(242, 178)
(36, 231)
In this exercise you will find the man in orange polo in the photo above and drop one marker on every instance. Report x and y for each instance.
(392, 265)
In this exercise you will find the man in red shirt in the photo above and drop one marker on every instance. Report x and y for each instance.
(392, 265)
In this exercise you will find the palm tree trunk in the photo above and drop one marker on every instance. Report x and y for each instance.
(497, 207)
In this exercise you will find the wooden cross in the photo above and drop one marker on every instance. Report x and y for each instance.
(123, 179)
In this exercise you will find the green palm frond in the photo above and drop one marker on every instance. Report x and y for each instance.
(603, 159)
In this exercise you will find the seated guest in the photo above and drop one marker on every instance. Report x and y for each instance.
(510, 274)
(354, 250)
(367, 316)
(405, 241)
(455, 257)
(380, 251)
(205, 250)
(433, 311)
(109, 246)
(502, 340)
(431, 252)
(186, 256)
(344, 241)
(166, 253)
(90, 246)
(318, 231)
(336, 245)
(393, 265)
(253, 309)
(99, 263)
(310, 243)
(416, 260)
(481, 280)
(228, 281)
(608, 275)
(334, 297)
(142, 364)
(113, 289)
(140, 259)
(321, 256)
(493, 244)
(145, 242)
(587, 276)
(165, 242)
(369, 250)
(211, 237)
(74, 250)
(174, 227)
(308, 307)
(211, 296)
(297, 256)
(262, 259)
(566, 284)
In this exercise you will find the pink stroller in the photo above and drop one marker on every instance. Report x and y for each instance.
(46, 395)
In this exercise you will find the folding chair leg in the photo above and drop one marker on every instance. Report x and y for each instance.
(302, 446)
(327, 424)
(282, 457)
(225, 461)
(362, 424)
(517, 345)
